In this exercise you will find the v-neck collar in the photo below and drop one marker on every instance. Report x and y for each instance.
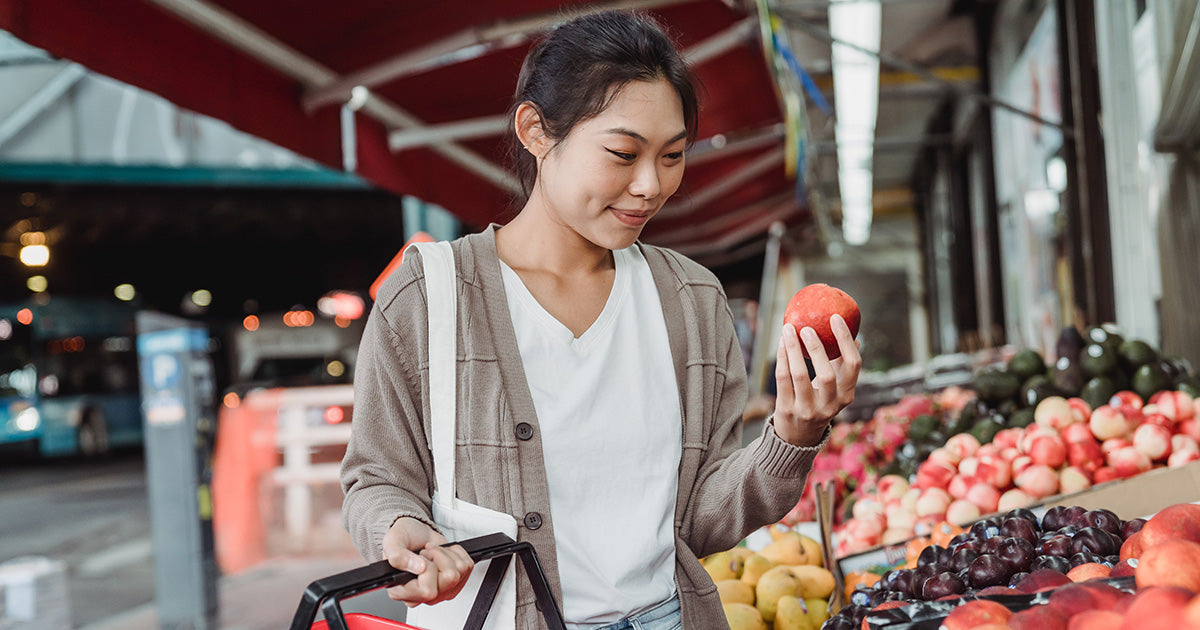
(559, 330)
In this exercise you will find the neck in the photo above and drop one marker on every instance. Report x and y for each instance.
(535, 242)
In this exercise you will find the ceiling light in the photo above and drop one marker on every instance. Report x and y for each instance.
(855, 26)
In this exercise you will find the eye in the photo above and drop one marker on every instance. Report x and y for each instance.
(628, 157)
(678, 155)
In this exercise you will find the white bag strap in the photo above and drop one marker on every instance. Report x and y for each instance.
(441, 294)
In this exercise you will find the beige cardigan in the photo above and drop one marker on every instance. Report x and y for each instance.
(725, 492)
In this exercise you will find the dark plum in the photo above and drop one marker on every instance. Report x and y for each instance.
(944, 555)
(1095, 540)
(963, 558)
(929, 555)
(841, 621)
(1102, 519)
(1112, 560)
(1052, 519)
(985, 529)
(900, 581)
(988, 570)
(1131, 527)
(1054, 563)
(920, 575)
(971, 543)
(1018, 553)
(860, 597)
(992, 545)
(1016, 578)
(1024, 513)
(1057, 545)
(943, 584)
(1085, 557)
(1017, 527)
(1068, 530)
(958, 540)
(1073, 516)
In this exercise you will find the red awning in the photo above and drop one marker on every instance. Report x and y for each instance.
(282, 70)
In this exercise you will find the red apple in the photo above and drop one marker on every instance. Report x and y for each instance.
(813, 305)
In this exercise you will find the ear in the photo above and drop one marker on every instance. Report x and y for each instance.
(528, 122)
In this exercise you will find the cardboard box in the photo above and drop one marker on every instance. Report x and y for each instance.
(1137, 497)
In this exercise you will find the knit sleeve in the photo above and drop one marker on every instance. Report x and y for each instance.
(387, 471)
(739, 489)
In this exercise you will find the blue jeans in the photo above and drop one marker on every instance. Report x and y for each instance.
(664, 616)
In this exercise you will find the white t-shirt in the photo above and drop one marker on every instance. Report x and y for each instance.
(608, 408)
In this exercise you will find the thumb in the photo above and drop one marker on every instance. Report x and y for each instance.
(406, 560)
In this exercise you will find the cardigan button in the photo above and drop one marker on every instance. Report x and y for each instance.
(533, 520)
(524, 431)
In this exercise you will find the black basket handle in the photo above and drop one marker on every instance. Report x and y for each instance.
(326, 593)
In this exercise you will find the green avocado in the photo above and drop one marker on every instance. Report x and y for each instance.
(1149, 379)
(1026, 364)
(1020, 418)
(921, 427)
(994, 384)
(1037, 389)
(1067, 376)
(1106, 335)
(1135, 353)
(1098, 390)
(1189, 385)
(986, 429)
(1097, 359)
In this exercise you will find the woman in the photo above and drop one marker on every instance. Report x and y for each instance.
(603, 381)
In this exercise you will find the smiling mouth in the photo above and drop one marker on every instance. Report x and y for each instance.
(632, 218)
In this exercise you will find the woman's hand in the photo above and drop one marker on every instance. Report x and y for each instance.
(804, 407)
(413, 546)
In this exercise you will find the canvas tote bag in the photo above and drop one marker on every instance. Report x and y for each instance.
(457, 519)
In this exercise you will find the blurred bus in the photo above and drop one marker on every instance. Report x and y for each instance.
(69, 377)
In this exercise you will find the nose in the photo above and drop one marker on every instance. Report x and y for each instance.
(647, 182)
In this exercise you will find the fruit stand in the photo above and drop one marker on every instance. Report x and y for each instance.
(1040, 494)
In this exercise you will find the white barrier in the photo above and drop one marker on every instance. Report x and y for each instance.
(296, 437)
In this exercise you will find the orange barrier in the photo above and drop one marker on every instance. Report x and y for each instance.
(245, 457)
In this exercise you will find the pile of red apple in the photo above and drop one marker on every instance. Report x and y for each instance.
(1161, 555)
(1067, 449)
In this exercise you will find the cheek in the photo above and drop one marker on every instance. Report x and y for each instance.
(671, 180)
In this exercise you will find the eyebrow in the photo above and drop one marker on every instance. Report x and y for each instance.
(640, 138)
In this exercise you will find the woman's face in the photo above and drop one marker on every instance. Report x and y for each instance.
(613, 172)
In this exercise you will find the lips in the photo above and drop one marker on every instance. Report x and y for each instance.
(632, 218)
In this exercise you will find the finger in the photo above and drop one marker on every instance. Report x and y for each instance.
(449, 571)
(406, 560)
(784, 393)
(463, 564)
(847, 344)
(799, 371)
(825, 383)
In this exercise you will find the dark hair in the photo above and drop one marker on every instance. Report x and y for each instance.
(574, 73)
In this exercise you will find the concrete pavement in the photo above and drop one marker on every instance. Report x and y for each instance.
(265, 597)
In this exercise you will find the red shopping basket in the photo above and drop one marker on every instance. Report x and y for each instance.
(325, 595)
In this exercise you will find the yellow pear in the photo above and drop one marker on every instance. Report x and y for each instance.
(818, 609)
(756, 565)
(720, 566)
(777, 530)
(787, 549)
(775, 583)
(792, 614)
(812, 550)
(735, 592)
(743, 617)
(739, 559)
(815, 582)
